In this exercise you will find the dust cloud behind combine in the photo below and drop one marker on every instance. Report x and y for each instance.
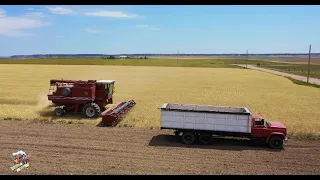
(44, 107)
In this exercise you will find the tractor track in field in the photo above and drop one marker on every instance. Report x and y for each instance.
(84, 149)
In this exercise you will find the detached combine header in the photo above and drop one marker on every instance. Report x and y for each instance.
(87, 97)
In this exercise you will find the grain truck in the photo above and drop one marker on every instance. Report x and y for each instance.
(193, 123)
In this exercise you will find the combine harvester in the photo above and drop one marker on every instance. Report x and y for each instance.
(89, 98)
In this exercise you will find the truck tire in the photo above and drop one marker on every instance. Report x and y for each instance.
(205, 138)
(58, 112)
(91, 110)
(177, 135)
(66, 92)
(188, 138)
(275, 142)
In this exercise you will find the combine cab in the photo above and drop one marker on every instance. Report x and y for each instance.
(87, 97)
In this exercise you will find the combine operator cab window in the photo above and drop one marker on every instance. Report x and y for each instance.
(111, 86)
(100, 86)
(109, 89)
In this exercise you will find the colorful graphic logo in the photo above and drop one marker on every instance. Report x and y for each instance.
(20, 161)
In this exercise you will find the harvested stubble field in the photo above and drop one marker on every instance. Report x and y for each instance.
(23, 90)
(83, 149)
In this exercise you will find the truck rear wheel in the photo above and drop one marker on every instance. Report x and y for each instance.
(205, 138)
(276, 142)
(188, 138)
(91, 110)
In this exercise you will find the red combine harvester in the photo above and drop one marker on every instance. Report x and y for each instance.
(87, 97)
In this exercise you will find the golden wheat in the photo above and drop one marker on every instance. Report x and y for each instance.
(23, 90)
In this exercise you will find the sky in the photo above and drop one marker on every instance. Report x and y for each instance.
(158, 29)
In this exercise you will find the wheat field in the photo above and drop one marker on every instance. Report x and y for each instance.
(23, 90)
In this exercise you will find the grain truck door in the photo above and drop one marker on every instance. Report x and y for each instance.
(260, 128)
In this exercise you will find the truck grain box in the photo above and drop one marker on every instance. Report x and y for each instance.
(200, 122)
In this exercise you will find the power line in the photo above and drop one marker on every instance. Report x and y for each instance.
(247, 60)
(309, 64)
(177, 57)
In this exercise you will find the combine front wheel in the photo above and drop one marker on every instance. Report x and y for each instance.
(91, 110)
(58, 112)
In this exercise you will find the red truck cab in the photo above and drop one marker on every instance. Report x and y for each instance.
(274, 133)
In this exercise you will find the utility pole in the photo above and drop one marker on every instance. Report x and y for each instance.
(309, 64)
(247, 60)
(177, 57)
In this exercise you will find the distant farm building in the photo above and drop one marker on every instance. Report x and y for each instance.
(124, 57)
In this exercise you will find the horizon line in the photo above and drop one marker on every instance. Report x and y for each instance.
(163, 54)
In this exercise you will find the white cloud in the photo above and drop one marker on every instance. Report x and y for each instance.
(2, 12)
(92, 30)
(148, 27)
(16, 25)
(60, 10)
(30, 9)
(154, 29)
(97, 13)
(35, 14)
(113, 14)
(142, 26)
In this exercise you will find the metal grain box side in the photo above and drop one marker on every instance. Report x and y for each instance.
(212, 121)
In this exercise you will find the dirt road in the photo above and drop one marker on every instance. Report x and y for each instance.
(297, 77)
(84, 149)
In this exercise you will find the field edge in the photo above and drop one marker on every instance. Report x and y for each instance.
(302, 136)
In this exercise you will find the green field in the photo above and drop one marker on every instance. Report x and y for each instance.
(214, 62)
(293, 68)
